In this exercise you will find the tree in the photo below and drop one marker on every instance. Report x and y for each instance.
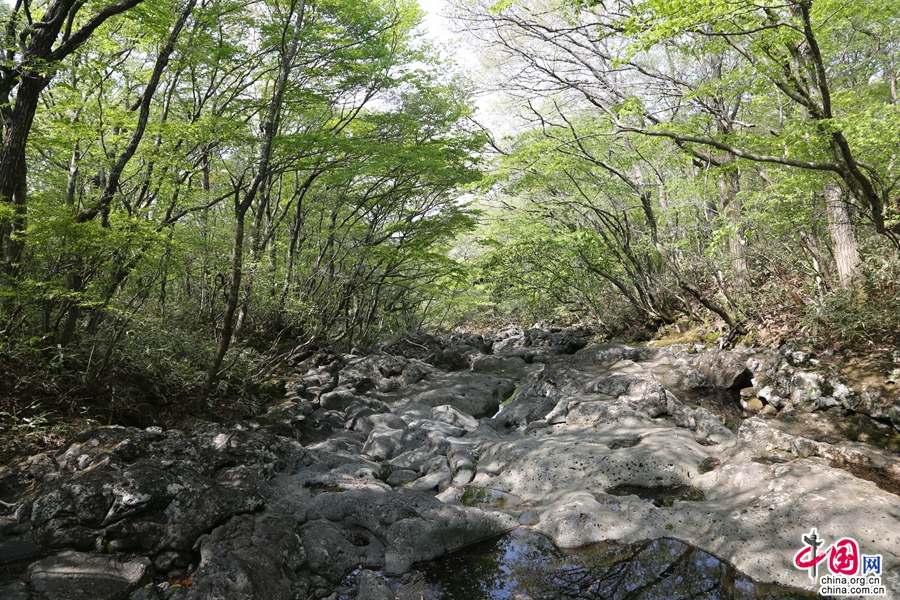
(732, 84)
(241, 173)
(32, 51)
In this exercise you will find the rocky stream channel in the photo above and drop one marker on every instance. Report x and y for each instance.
(609, 471)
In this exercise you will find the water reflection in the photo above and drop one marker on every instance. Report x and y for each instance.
(524, 564)
(482, 497)
(665, 495)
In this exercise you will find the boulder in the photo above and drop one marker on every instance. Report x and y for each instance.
(344, 530)
(384, 443)
(458, 357)
(432, 481)
(474, 393)
(806, 387)
(338, 400)
(724, 369)
(74, 575)
(475, 340)
(710, 428)
(251, 556)
(401, 476)
(413, 460)
(509, 367)
(752, 405)
(191, 515)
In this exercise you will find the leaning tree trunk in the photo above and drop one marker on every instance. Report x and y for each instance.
(846, 252)
(241, 206)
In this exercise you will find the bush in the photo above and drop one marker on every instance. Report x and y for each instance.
(866, 313)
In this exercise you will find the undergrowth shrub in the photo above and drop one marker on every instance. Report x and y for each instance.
(866, 313)
(48, 390)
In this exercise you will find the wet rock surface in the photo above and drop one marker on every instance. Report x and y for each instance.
(371, 464)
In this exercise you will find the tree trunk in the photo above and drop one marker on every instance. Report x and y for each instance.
(242, 205)
(256, 242)
(32, 72)
(13, 169)
(729, 185)
(846, 253)
(234, 290)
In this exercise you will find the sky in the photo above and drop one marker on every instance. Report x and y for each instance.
(437, 26)
(489, 111)
(440, 30)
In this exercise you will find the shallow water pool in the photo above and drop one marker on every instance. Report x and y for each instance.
(525, 564)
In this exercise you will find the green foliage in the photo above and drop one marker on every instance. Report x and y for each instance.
(867, 314)
(120, 293)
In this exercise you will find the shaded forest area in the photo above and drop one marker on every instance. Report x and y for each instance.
(193, 191)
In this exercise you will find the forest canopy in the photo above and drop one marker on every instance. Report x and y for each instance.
(192, 192)
(677, 158)
(184, 184)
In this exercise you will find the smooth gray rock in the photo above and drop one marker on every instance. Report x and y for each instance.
(74, 575)
(401, 476)
(430, 482)
(338, 399)
(330, 553)
(436, 464)
(578, 519)
(413, 459)
(474, 393)
(412, 526)
(391, 421)
(440, 531)
(461, 457)
(15, 551)
(448, 414)
(372, 587)
(747, 500)
(384, 444)
(508, 367)
(414, 412)
(463, 477)
(561, 458)
(148, 592)
(675, 373)
(710, 427)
